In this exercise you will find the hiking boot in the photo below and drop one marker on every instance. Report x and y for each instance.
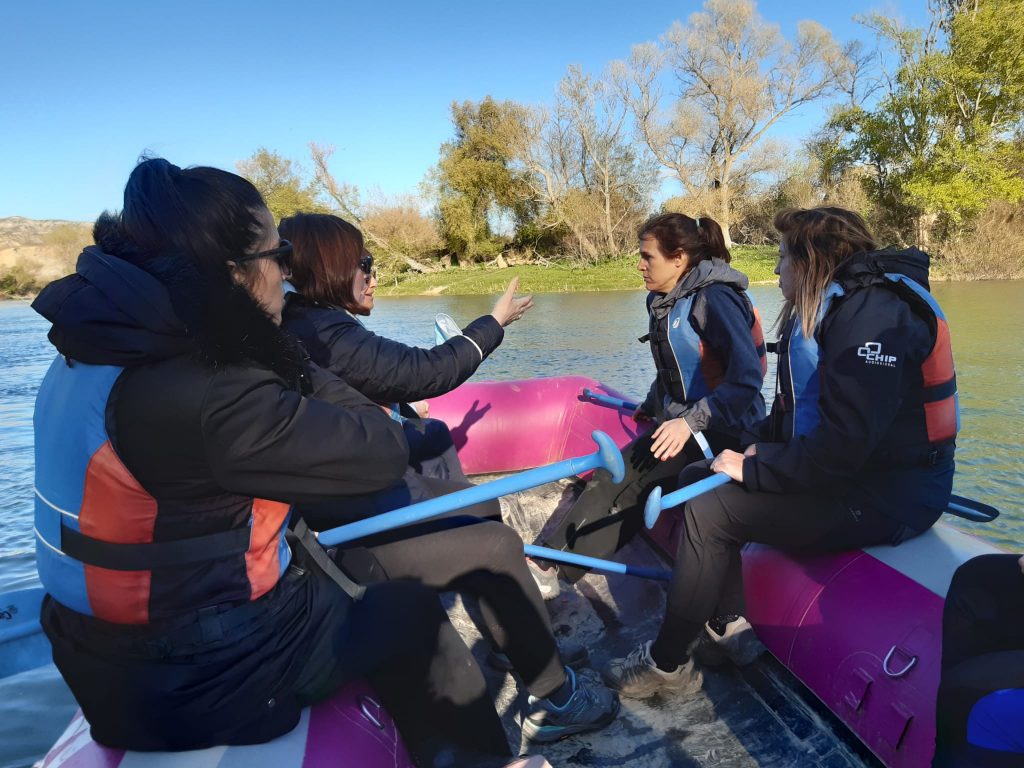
(573, 655)
(637, 676)
(590, 707)
(737, 643)
(546, 578)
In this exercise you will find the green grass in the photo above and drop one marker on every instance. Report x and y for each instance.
(757, 262)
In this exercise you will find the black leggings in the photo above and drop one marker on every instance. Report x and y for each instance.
(607, 515)
(471, 552)
(400, 638)
(708, 578)
(982, 652)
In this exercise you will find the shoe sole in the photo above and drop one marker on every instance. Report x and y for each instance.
(546, 734)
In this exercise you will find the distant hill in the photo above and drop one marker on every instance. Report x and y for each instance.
(36, 251)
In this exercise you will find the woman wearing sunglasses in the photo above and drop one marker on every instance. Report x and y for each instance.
(335, 279)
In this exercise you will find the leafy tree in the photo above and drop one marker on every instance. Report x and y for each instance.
(280, 183)
(475, 182)
(939, 142)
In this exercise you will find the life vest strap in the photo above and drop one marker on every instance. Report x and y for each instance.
(939, 392)
(156, 554)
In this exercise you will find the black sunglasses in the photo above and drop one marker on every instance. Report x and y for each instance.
(282, 255)
(366, 264)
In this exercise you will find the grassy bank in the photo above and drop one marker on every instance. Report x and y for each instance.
(756, 262)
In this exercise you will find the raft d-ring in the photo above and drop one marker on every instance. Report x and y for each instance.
(899, 673)
(363, 701)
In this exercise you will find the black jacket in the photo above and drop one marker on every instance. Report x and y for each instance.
(215, 407)
(722, 318)
(203, 421)
(382, 369)
(867, 448)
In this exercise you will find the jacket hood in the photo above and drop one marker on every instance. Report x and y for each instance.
(704, 274)
(865, 267)
(111, 312)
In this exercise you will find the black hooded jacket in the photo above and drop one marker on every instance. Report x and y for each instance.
(722, 317)
(210, 415)
(383, 369)
(868, 446)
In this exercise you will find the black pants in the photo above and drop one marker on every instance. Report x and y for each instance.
(607, 515)
(708, 578)
(431, 449)
(471, 552)
(982, 652)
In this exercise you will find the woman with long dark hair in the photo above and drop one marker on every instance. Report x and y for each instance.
(706, 340)
(858, 450)
(174, 430)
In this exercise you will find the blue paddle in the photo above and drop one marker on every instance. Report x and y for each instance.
(626, 405)
(655, 503)
(607, 456)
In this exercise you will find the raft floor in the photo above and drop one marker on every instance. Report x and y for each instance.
(758, 716)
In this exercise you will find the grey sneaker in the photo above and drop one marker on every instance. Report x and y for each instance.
(573, 655)
(588, 709)
(546, 578)
(637, 676)
(737, 644)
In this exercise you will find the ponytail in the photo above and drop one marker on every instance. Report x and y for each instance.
(701, 238)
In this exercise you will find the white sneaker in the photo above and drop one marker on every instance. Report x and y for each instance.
(737, 644)
(637, 676)
(546, 578)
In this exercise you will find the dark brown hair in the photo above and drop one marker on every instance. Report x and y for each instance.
(819, 241)
(700, 239)
(325, 257)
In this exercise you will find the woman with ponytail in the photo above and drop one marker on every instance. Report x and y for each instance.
(709, 357)
(858, 450)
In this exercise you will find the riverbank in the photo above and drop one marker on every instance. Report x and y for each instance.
(756, 262)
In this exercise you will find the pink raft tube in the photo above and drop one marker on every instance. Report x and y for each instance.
(862, 629)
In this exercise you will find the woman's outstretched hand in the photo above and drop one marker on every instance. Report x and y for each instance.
(509, 307)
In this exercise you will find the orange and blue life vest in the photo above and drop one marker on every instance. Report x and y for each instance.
(687, 368)
(95, 526)
(939, 401)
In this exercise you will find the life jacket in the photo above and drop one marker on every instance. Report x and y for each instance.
(799, 380)
(96, 551)
(688, 369)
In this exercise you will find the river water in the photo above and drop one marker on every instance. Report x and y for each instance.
(583, 333)
(594, 334)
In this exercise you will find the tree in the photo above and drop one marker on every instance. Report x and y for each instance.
(939, 142)
(280, 183)
(475, 182)
(735, 78)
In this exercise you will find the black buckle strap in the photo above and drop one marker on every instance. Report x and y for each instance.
(305, 539)
(155, 554)
(939, 392)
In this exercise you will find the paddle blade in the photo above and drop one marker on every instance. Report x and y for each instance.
(23, 646)
(652, 509)
(445, 328)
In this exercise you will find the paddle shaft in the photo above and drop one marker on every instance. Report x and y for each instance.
(606, 457)
(557, 555)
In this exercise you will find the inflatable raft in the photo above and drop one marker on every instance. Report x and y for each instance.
(861, 629)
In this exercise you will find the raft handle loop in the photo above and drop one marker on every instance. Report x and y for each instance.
(363, 701)
(902, 672)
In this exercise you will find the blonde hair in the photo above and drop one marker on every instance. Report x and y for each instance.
(819, 241)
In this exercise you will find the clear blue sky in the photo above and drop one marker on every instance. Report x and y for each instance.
(85, 87)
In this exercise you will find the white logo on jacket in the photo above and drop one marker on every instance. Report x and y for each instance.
(675, 323)
(872, 354)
